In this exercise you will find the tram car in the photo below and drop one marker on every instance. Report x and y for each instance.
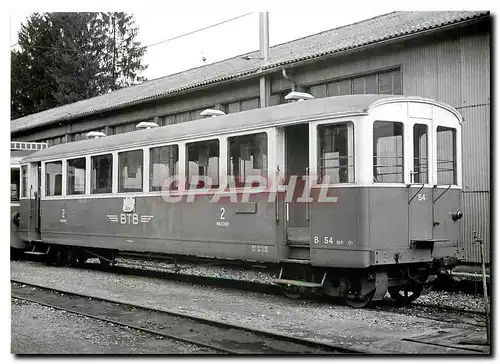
(354, 196)
(18, 150)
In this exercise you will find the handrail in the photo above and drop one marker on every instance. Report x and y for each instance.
(420, 189)
(434, 201)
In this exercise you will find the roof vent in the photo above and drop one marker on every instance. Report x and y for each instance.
(95, 134)
(298, 96)
(146, 125)
(212, 113)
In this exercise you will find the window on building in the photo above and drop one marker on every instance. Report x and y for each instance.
(102, 173)
(76, 176)
(364, 85)
(387, 152)
(446, 156)
(14, 184)
(339, 88)
(163, 163)
(53, 179)
(390, 82)
(130, 167)
(336, 153)
(247, 158)
(420, 154)
(318, 91)
(385, 82)
(24, 178)
(202, 161)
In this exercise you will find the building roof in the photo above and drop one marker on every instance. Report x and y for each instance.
(381, 28)
(302, 111)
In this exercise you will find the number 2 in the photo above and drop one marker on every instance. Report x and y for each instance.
(222, 212)
(63, 214)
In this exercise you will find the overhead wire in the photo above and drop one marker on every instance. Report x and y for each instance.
(153, 44)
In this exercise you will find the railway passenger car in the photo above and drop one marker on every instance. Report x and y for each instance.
(18, 150)
(353, 195)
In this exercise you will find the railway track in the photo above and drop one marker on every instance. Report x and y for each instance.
(221, 337)
(438, 312)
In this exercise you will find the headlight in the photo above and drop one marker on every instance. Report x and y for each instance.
(457, 215)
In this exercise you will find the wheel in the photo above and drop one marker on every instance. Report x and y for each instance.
(292, 294)
(81, 259)
(357, 301)
(104, 262)
(56, 257)
(404, 295)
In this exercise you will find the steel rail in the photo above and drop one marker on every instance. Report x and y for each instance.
(115, 322)
(266, 333)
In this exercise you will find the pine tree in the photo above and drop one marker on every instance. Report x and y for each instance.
(124, 52)
(67, 57)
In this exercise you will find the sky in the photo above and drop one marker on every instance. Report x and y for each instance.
(220, 42)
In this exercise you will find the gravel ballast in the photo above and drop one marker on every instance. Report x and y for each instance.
(457, 300)
(38, 329)
(341, 325)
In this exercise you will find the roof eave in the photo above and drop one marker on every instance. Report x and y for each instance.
(265, 70)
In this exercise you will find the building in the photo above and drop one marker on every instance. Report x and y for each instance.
(439, 55)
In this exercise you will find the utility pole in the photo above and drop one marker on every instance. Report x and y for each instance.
(265, 89)
(479, 241)
(113, 77)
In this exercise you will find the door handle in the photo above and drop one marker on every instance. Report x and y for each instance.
(307, 189)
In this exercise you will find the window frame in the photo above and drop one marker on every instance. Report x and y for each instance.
(411, 128)
(227, 158)
(119, 180)
(44, 178)
(405, 153)
(221, 158)
(24, 184)
(18, 169)
(314, 150)
(351, 150)
(113, 171)
(84, 177)
(456, 161)
(179, 165)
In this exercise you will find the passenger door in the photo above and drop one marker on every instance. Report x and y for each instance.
(34, 190)
(297, 214)
(420, 192)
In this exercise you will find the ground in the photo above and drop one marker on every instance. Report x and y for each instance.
(38, 329)
(342, 325)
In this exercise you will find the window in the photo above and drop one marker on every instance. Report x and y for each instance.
(364, 85)
(130, 167)
(420, 154)
(339, 88)
(446, 156)
(386, 82)
(53, 179)
(390, 83)
(203, 160)
(14, 184)
(336, 153)
(24, 178)
(76, 176)
(387, 152)
(247, 158)
(163, 163)
(102, 173)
